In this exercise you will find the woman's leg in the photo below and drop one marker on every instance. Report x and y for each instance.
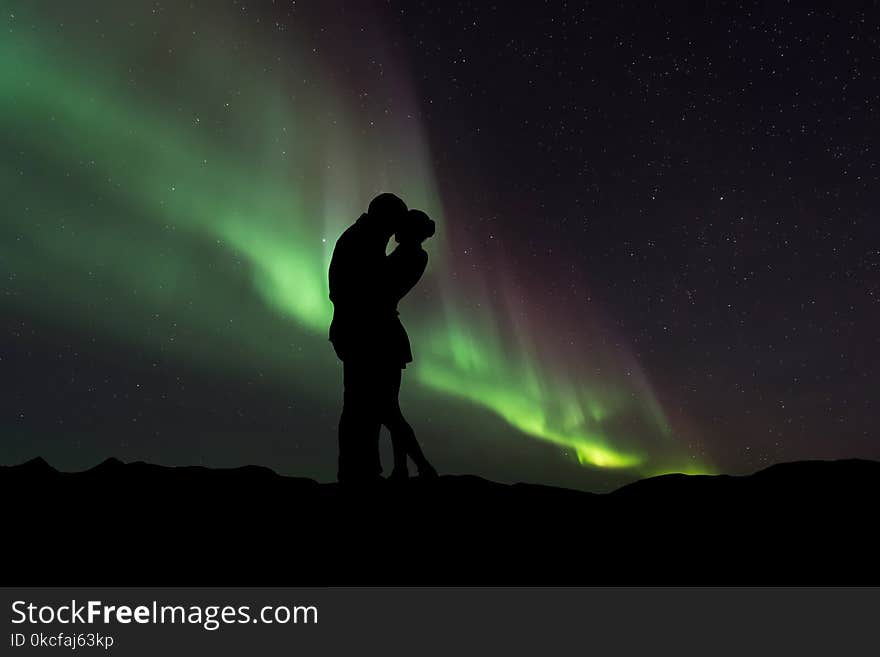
(403, 438)
(404, 443)
(391, 418)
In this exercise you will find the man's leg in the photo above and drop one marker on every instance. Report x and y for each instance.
(359, 425)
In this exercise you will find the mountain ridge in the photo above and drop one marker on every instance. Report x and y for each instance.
(808, 522)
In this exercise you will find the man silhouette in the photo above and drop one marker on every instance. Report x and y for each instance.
(363, 334)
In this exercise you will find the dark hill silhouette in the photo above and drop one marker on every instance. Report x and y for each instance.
(140, 524)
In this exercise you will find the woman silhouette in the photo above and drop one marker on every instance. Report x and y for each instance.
(404, 267)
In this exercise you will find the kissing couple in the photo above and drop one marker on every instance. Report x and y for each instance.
(366, 286)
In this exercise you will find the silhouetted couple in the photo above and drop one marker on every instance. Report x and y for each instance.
(366, 332)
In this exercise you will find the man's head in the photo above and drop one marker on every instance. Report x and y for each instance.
(416, 227)
(388, 211)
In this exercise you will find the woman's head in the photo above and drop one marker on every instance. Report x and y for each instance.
(415, 227)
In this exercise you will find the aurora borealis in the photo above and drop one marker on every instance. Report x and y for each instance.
(174, 180)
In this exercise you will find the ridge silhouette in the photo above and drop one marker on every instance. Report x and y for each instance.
(805, 523)
(366, 332)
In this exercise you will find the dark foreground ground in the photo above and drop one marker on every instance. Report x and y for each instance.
(138, 524)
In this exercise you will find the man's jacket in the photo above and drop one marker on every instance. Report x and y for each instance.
(365, 288)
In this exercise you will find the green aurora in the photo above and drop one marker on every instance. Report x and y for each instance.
(168, 189)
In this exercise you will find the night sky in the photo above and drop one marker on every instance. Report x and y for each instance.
(658, 246)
